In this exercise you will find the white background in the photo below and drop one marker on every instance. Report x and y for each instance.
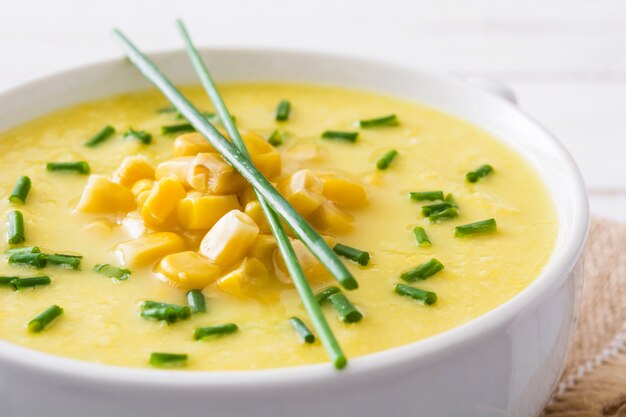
(566, 60)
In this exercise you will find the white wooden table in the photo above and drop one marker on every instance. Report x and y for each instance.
(565, 59)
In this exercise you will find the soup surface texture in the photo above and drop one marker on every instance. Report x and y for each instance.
(102, 321)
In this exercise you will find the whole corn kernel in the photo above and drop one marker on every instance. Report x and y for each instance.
(102, 195)
(343, 192)
(254, 210)
(163, 201)
(191, 144)
(248, 279)
(264, 156)
(303, 190)
(230, 239)
(189, 270)
(198, 212)
(178, 167)
(149, 249)
(210, 173)
(331, 219)
(263, 248)
(132, 169)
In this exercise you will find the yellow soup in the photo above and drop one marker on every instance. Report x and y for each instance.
(178, 217)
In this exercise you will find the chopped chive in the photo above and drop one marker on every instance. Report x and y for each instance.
(140, 135)
(44, 319)
(423, 271)
(353, 254)
(421, 238)
(484, 226)
(218, 330)
(159, 359)
(426, 195)
(80, 167)
(20, 191)
(196, 301)
(6, 281)
(448, 213)
(386, 159)
(20, 283)
(389, 120)
(111, 271)
(164, 311)
(347, 312)
(36, 260)
(65, 261)
(450, 200)
(170, 109)
(27, 249)
(323, 295)
(479, 173)
(435, 208)
(303, 331)
(15, 231)
(175, 129)
(282, 110)
(275, 139)
(427, 297)
(343, 136)
(104, 133)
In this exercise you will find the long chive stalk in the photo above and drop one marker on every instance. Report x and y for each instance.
(237, 159)
(104, 133)
(20, 191)
(162, 360)
(15, 231)
(303, 332)
(267, 196)
(44, 319)
(80, 167)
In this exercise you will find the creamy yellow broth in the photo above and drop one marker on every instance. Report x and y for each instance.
(101, 321)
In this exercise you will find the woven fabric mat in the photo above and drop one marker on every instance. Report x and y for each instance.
(594, 381)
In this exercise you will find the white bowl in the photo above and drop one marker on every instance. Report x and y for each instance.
(504, 363)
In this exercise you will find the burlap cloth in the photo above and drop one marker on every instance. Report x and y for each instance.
(594, 382)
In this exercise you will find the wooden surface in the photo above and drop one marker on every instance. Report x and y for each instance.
(564, 59)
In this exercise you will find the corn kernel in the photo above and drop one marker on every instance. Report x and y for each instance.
(303, 190)
(151, 248)
(134, 225)
(191, 144)
(247, 280)
(188, 269)
(254, 210)
(210, 173)
(162, 202)
(331, 219)
(264, 156)
(133, 169)
(178, 167)
(101, 195)
(344, 193)
(230, 239)
(142, 185)
(247, 195)
(198, 211)
(263, 248)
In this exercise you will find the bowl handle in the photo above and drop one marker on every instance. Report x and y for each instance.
(493, 86)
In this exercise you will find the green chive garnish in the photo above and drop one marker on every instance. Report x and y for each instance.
(218, 330)
(111, 271)
(435, 208)
(20, 191)
(20, 283)
(177, 129)
(44, 319)
(35, 260)
(353, 254)
(275, 139)
(6, 281)
(170, 109)
(345, 309)
(282, 110)
(196, 301)
(164, 311)
(390, 120)
(15, 231)
(140, 135)
(426, 195)
(65, 261)
(160, 360)
(479, 173)
(80, 167)
(421, 238)
(449, 213)
(27, 249)
(450, 200)
(484, 226)
(101, 136)
(423, 271)
(427, 297)
(303, 331)
(386, 159)
(343, 136)
(324, 294)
